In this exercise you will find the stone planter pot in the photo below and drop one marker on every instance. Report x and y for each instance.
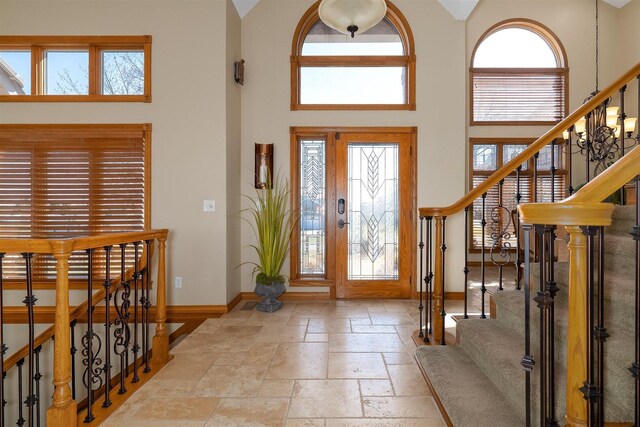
(269, 290)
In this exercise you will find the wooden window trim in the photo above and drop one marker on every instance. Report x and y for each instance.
(561, 59)
(408, 61)
(38, 45)
(561, 170)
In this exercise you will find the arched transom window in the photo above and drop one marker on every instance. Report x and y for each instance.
(518, 75)
(373, 70)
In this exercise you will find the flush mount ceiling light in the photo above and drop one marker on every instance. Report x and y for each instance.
(351, 16)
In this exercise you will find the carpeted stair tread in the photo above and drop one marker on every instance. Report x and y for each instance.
(624, 218)
(468, 396)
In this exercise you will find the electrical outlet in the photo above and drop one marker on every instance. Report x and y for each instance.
(209, 206)
(178, 282)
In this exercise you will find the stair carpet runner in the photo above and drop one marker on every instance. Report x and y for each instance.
(480, 381)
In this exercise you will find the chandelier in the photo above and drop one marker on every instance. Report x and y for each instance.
(352, 16)
(604, 132)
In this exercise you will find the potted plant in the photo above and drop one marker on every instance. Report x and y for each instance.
(272, 223)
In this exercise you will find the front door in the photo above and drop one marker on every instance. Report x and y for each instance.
(355, 192)
(374, 242)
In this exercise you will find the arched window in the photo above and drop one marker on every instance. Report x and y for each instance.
(332, 71)
(518, 75)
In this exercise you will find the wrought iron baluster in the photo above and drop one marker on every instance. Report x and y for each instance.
(483, 288)
(73, 351)
(552, 289)
(122, 332)
(535, 177)
(21, 419)
(421, 247)
(429, 278)
(3, 347)
(623, 116)
(91, 376)
(635, 232)
(587, 146)
(541, 300)
(600, 332)
(466, 261)
(517, 230)
(527, 359)
(107, 335)
(443, 248)
(500, 252)
(590, 389)
(136, 276)
(30, 301)
(146, 306)
(553, 170)
(37, 377)
(568, 148)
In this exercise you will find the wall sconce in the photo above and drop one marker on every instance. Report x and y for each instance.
(264, 164)
(238, 72)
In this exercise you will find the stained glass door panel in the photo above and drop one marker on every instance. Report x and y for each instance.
(374, 213)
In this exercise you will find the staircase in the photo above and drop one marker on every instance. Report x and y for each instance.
(488, 354)
(562, 346)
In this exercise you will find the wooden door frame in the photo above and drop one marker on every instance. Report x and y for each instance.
(327, 133)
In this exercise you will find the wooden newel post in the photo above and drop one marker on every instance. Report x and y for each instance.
(161, 339)
(63, 410)
(576, 338)
(438, 286)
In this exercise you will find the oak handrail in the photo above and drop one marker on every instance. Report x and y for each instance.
(534, 148)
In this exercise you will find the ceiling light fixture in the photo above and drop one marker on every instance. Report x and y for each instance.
(352, 16)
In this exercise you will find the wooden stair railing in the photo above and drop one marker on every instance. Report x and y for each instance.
(584, 215)
(63, 411)
(434, 274)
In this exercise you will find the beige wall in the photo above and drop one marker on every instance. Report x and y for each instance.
(188, 113)
(233, 154)
(205, 125)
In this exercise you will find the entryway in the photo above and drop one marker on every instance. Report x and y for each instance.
(360, 237)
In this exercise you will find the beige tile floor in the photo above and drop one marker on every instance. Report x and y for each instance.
(323, 363)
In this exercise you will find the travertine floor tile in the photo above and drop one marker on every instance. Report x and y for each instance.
(317, 326)
(299, 361)
(358, 343)
(187, 366)
(223, 381)
(402, 358)
(256, 412)
(399, 407)
(316, 337)
(395, 318)
(188, 408)
(275, 333)
(325, 398)
(276, 388)
(305, 422)
(356, 365)
(376, 388)
(373, 329)
(407, 380)
(386, 422)
(153, 423)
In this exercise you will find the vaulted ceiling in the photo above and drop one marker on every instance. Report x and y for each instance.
(459, 9)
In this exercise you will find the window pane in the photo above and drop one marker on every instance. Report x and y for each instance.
(511, 151)
(544, 159)
(383, 39)
(122, 72)
(312, 207)
(352, 85)
(15, 72)
(485, 157)
(514, 48)
(67, 73)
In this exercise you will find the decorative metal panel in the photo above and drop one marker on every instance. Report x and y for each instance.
(373, 214)
(312, 207)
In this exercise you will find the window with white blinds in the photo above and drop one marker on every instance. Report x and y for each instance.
(488, 155)
(68, 181)
(518, 76)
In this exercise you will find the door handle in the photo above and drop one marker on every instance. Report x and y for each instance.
(342, 223)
